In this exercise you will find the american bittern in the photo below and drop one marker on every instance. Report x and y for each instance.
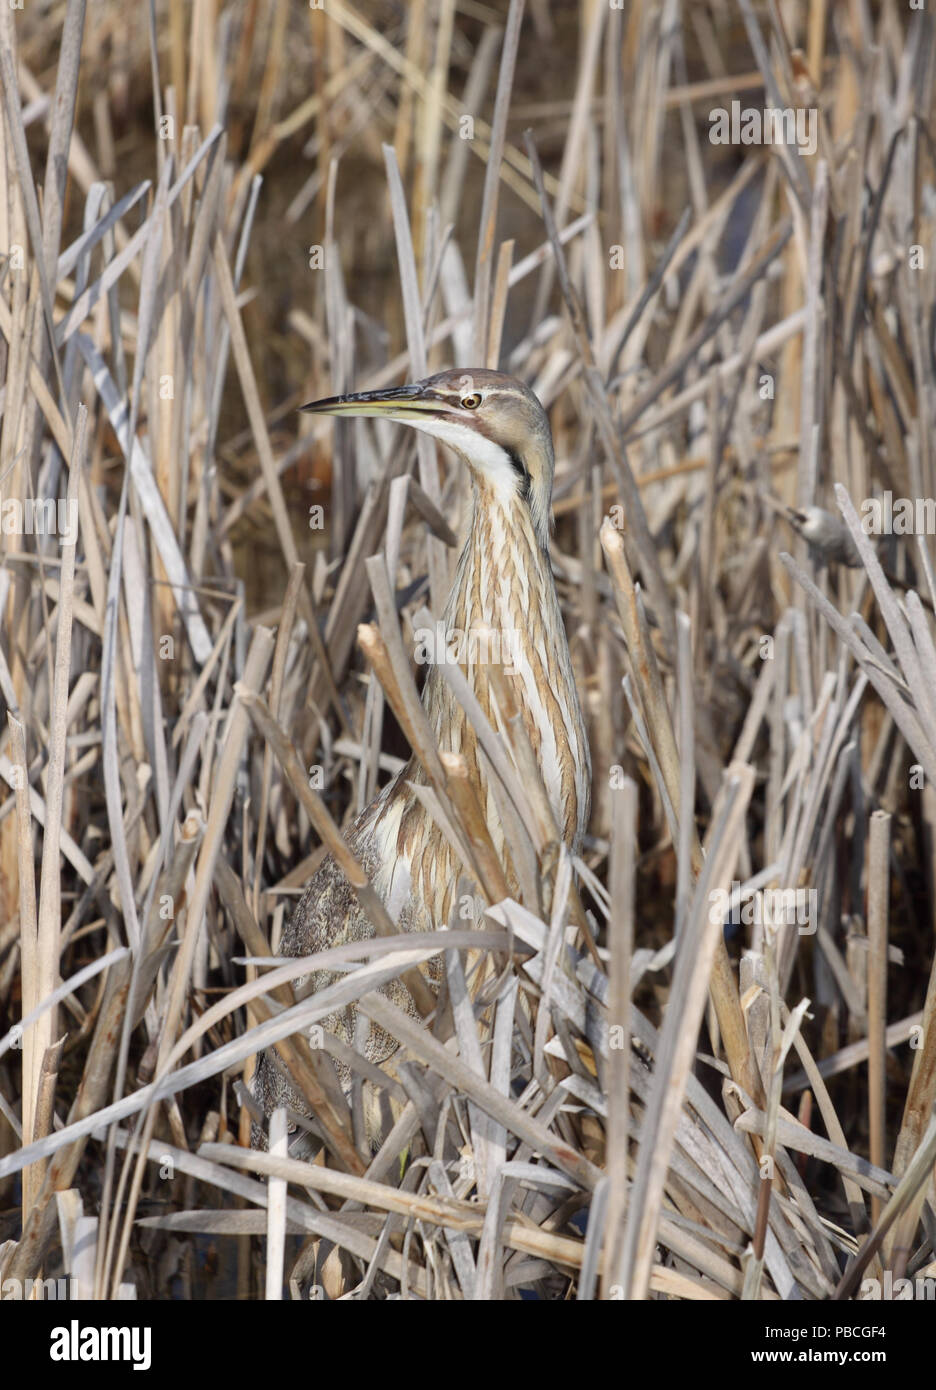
(503, 583)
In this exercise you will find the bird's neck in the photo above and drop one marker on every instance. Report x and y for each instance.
(503, 609)
(501, 565)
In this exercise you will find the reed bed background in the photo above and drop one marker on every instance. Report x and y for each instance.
(210, 213)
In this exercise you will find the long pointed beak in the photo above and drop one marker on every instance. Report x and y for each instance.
(394, 402)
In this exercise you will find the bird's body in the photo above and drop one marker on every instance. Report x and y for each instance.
(826, 535)
(503, 586)
(831, 543)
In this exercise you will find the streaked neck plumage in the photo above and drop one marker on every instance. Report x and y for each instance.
(504, 607)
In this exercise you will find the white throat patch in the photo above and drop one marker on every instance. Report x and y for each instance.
(487, 458)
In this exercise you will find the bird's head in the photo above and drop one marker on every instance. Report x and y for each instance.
(492, 421)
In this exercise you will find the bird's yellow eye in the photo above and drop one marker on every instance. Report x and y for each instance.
(471, 402)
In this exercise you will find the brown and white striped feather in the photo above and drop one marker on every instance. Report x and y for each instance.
(503, 582)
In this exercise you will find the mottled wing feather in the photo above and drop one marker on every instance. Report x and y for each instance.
(328, 914)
